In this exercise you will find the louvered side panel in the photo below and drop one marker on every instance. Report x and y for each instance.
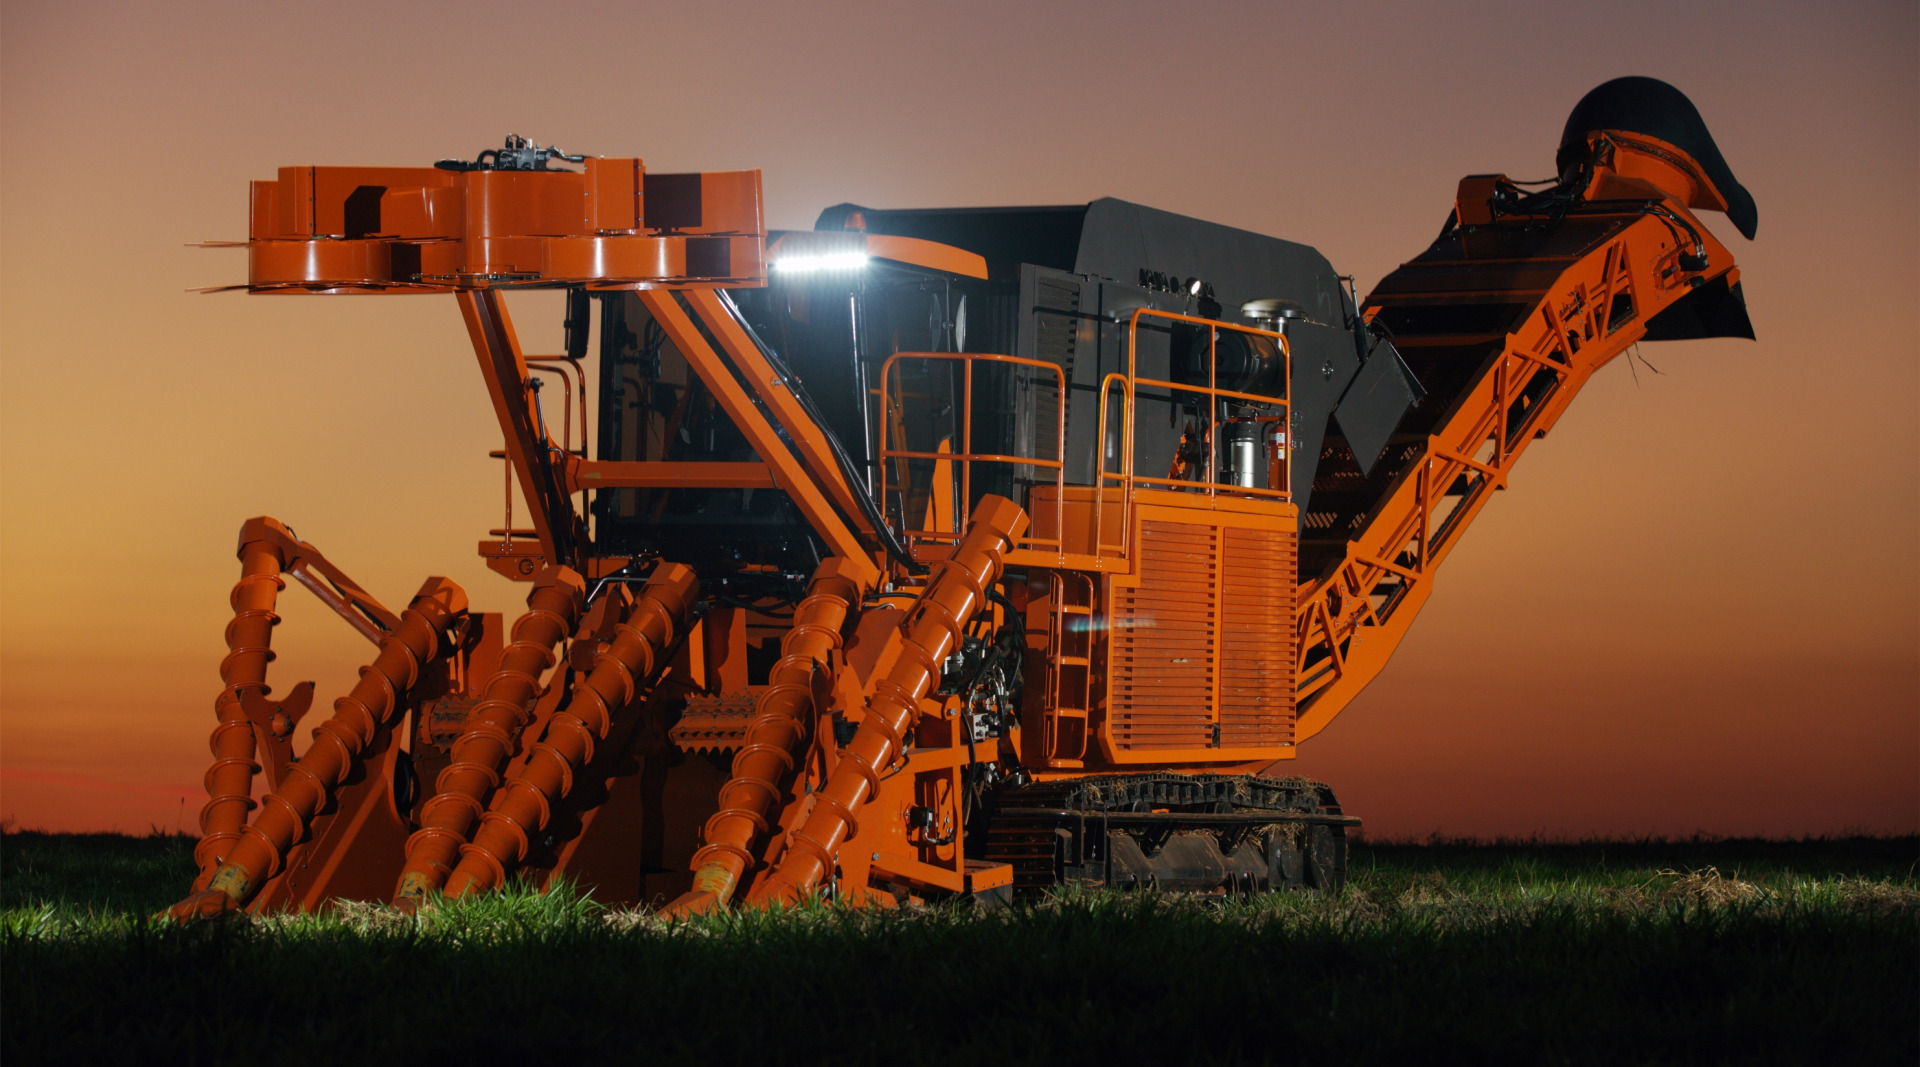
(1257, 639)
(1162, 642)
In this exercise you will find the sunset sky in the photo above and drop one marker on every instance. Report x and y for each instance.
(1697, 608)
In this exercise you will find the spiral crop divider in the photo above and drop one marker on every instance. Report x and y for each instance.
(493, 729)
(525, 802)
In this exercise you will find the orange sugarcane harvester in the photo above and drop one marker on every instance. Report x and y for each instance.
(928, 552)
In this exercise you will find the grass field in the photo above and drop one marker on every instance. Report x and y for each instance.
(1601, 952)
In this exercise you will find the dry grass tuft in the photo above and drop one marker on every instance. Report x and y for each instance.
(1707, 888)
(368, 917)
(1427, 887)
(621, 919)
(1876, 899)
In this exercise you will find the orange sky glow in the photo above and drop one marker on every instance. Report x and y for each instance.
(1697, 609)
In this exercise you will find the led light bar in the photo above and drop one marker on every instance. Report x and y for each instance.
(832, 261)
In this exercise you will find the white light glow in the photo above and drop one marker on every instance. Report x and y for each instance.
(841, 261)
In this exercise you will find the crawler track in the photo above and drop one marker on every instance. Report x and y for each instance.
(1202, 833)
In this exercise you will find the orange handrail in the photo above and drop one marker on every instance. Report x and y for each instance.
(1126, 462)
(966, 457)
(1214, 393)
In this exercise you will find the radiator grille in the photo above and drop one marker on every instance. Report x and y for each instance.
(1191, 638)
(1256, 669)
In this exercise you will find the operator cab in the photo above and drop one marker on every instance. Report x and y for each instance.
(1082, 305)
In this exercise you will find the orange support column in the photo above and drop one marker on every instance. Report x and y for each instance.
(800, 483)
(249, 644)
(958, 589)
(423, 636)
(525, 802)
(493, 728)
(778, 729)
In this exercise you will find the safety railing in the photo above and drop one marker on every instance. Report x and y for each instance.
(963, 460)
(1277, 487)
(1125, 474)
(1277, 408)
(1112, 487)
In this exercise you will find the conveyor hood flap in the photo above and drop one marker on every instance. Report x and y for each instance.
(1380, 396)
(1652, 107)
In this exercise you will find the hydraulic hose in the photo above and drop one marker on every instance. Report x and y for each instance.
(492, 732)
(856, 484)
(249, 650)
(957, 589)
(425, 635)
(773, 740)
(620, 671)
